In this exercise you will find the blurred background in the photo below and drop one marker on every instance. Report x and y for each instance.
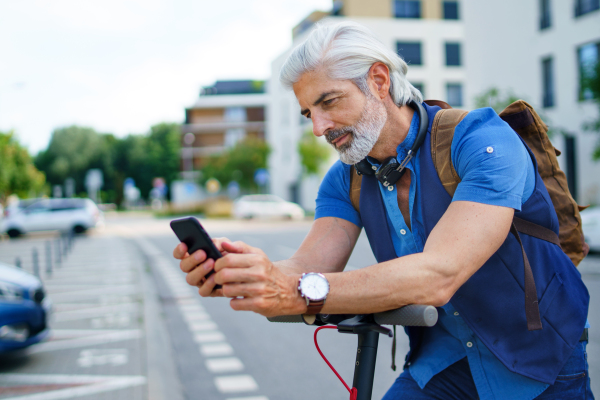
(155, 109)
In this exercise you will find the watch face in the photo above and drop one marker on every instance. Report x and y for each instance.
(314, 286)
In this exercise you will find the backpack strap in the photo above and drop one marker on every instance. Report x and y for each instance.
(442, 132)
(355, 185)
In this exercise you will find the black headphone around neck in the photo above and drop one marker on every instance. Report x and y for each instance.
(390, 170)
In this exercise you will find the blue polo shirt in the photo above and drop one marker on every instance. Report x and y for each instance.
(495, 168)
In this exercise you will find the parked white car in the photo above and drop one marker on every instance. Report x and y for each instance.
(266, 206)
(34, 215)
(590, 222)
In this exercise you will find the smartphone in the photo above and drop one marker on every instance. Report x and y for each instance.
(190, 232)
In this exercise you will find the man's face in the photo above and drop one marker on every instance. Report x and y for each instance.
(349, 120)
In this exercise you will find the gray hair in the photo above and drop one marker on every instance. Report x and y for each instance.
(348, 50)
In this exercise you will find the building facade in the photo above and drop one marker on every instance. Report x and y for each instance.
(428, 34)
(541, 50)
(224, 113)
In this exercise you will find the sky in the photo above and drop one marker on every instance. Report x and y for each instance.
(120, 66)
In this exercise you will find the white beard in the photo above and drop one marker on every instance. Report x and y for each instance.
(365, 133)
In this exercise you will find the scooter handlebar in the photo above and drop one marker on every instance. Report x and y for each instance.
(411, 315)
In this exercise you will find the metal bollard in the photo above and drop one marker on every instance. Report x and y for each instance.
(71, 239)
(58, 252)
(65, 244)
(48, 257)
(18, 263)
(36, 263)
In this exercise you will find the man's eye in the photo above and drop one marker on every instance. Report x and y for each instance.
(329, 102)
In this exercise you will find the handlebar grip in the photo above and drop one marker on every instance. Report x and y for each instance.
(287, 318)
(411, 315)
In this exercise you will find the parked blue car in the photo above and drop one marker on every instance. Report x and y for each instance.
(24, 309)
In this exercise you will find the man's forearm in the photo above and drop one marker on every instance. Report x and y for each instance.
(293, 266)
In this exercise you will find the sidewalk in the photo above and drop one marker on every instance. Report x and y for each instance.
(106, 326)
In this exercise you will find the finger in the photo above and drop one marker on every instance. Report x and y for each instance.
(241, 248)
(207, 289)
(253, 289)
(191, 262)
(218, 242)
(195, 276)
(255, 304)
(240, 261)
(180, 251)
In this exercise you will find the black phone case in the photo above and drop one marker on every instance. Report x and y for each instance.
(190, 232)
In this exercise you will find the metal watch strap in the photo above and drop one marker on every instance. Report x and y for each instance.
(314, 307)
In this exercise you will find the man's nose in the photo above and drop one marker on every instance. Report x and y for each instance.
(321, 124)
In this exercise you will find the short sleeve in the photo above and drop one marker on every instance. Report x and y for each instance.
(491, 160)
(333, 199)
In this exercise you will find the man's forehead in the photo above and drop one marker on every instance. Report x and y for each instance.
(312, 85)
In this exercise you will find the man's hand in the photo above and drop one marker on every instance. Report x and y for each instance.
(254, 283)
(196, 266)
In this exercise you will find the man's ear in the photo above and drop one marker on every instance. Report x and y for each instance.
(379, 79)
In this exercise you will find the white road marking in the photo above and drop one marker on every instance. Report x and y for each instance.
(216, 349)
(78, 333)
(85, 341)
(94, 384)
(221, 365)
(202, 326)
(191, 309)
(249, 398)
(122, 320)
(94, 312)
(237, 383)
(113, 357)
(191, 317)
(209, 337)
(212, 343)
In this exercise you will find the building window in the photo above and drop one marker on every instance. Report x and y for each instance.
(548, 82)
(410, 52)
(545, 14)
(583, 7)
(453, 54)
(589, 67)
(407, 9)
(454, 94)
(450, 10)
(419, 86)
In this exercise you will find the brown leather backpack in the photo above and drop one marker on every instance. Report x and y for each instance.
(526, 122)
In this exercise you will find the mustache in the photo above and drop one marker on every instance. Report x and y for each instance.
(337, 133)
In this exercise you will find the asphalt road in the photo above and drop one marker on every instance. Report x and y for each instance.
(126, 325)
(282, 357)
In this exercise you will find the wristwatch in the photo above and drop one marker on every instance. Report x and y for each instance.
(314, 288)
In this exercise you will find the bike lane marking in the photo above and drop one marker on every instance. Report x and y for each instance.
(212, 343)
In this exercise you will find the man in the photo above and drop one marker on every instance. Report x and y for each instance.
(355, 92)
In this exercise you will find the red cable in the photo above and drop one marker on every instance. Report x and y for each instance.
(353, 391)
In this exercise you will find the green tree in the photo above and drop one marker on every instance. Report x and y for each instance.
(72, 151)
(238, 163)
(313, 153)
(497, 100)
(145, 157)
(18, 175)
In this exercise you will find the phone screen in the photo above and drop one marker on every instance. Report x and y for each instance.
(190, 232)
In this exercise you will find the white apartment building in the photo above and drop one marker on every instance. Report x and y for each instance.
(539, 51)
(430, 36)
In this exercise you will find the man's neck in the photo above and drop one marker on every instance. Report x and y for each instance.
(394, 131)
